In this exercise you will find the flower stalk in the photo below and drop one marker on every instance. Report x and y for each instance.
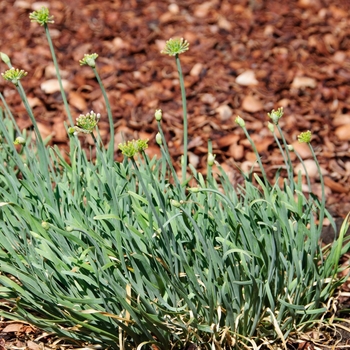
(43, 18)
(175, 47)
(90, 60)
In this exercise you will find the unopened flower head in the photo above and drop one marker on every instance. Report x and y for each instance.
(240, 121)
(158, 115)
(305, 137)
(130, 148)
(5, 58)
(19, 141)
(175, 47)
(159, 138)
(41, 16)
(72, 131)
(193, 189)
(45, 225)
(211, 159)
(276, 115)
(87, 123)
(89, 59)
(175, 203)
(14, 75)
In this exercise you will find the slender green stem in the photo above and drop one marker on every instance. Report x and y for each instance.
(167, 156)
(30, 113)
(110, 116)
(323, 199)
(305, 171)
(10, 114)
(256, 154)
(42, 150)
(286, 156)
(184, 107)
(54, 59)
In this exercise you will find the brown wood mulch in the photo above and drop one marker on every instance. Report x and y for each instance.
(246, 57)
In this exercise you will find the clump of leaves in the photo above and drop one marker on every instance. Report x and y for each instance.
(124, 255)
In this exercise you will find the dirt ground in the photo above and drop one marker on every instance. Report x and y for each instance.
(246, 57)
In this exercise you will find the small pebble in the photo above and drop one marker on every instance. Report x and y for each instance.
(174, 8)
(343, 132)
(303, 82)
(247, 78)
(225, 112)
(196, 70)
(311, 168)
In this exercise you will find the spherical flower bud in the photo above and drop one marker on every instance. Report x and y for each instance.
(45, 225)
(182, 160)
(5, 58)
(175, 203)
(305, 137)
(19, 141)
(159, 138)
(71, 131)
(240, 121)
(158, 115)
(193, 189)
(211, 159)
(290, 148)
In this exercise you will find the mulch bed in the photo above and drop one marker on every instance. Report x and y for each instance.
(246, 57)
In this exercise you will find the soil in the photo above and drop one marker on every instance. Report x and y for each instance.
(246, 58)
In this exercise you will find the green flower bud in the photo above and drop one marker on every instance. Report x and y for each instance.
(211, 159)
(5, 58)
(182, 160)
(175, 203)
(89, 59)
(41, 16)
(175, 47)
(71, 131)
(69, 228)
(193, 189)
(276, 115)
(159, 138)
(305, 137)
(45, 225)
(290, 148)
(158, 115)
(240, 121)
(14, 75)
(19, 141)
